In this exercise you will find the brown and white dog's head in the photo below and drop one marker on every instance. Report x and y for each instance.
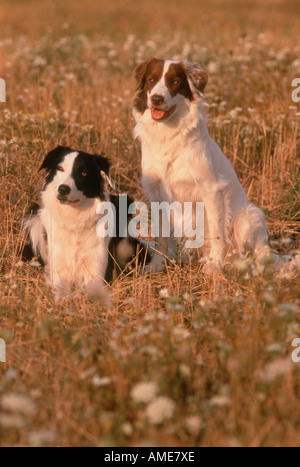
(163, 85)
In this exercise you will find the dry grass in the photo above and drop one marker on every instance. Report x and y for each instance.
(219, 348)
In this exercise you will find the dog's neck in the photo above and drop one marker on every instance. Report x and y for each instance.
(188, 121)
(79, 219)
(163, 143)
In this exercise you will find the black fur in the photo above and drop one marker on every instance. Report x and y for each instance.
(140, 254)
(92, 184)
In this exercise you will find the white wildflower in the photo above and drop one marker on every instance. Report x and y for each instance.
(193, 424)
(88, 373)
(219, 401)
(289, 308)
(11, 374)
(296, 64)
(35, 263)
(285, 240)
(184, 370)
(39, 61)
(41, 438)
(276, 347)
(144, 392)
(151, 350)
(269, 298)
(164, 293)
(127, 429)
(18, 403)
(180, 332)
(274, 370)
(188, 297)
(160, 409)
(212, 67)
(11, 421)
(70, 76)
(97, 381)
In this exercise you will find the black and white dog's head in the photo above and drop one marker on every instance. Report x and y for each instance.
(164, 87)
(74, 177)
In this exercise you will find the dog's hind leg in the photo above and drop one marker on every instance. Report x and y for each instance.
(250, 231)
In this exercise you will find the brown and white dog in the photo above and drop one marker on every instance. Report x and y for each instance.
(180, 162)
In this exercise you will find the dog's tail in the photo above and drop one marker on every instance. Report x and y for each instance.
(35, 244)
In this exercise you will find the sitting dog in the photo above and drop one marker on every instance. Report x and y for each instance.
(181, 163)
(64, 229)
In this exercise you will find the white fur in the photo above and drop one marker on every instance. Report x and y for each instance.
(160, 87)
(180, 162)
(64, 177)
(76, 256)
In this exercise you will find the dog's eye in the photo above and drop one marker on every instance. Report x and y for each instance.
(60, 168)
(84, 173)
(175, 81)
(151, 79)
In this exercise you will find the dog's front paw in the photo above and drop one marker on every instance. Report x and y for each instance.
(212, 267)
(157, 264)
(61, 294)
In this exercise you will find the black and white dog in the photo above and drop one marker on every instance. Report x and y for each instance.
(63, 232)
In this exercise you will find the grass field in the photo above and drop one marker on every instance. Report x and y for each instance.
(181, 359)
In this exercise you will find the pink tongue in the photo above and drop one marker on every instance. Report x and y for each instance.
(157, 114)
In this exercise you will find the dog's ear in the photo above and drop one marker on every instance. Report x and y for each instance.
(139, 74)
(197, 77)
(54, 156)
(104, 166)
(140, 71)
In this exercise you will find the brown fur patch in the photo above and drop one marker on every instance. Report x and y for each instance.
(198, 77)
(147, 75)
(177, 82)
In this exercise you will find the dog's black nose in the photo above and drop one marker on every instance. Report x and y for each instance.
(156, 99)
(64, 190)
